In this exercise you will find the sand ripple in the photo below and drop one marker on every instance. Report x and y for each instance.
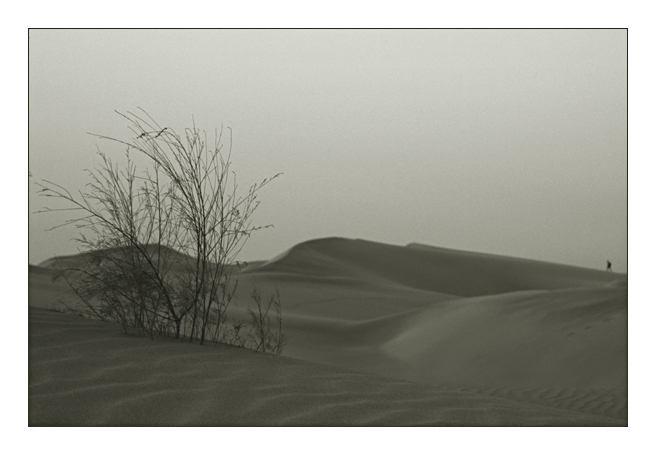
(85, 372)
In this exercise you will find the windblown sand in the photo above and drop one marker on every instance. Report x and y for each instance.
(379, 335)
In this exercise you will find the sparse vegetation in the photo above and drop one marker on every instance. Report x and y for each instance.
(161, 245)
(263, 337)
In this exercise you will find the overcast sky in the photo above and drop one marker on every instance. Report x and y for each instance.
(498, 141)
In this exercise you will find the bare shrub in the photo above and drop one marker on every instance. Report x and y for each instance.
(160, 245)
(266, 335)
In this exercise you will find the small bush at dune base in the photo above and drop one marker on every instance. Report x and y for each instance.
(160, 245)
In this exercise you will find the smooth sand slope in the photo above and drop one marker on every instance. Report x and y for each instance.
(379, 335)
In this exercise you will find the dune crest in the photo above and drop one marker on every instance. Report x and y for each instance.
(453, 272)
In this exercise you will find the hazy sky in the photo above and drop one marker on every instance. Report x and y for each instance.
(510, 142)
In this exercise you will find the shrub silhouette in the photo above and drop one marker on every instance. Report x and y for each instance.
(161, 245)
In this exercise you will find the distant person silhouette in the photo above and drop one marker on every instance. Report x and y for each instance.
(609, 266)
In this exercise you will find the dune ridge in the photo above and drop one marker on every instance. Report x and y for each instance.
(453, 272)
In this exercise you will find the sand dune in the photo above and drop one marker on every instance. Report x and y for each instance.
(176, 261)
(441, 270)
(379, 335)
(569, 338)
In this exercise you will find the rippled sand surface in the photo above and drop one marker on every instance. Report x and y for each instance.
(85, 372)
(379, 335)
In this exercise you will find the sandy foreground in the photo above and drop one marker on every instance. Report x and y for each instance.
(379, 335)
